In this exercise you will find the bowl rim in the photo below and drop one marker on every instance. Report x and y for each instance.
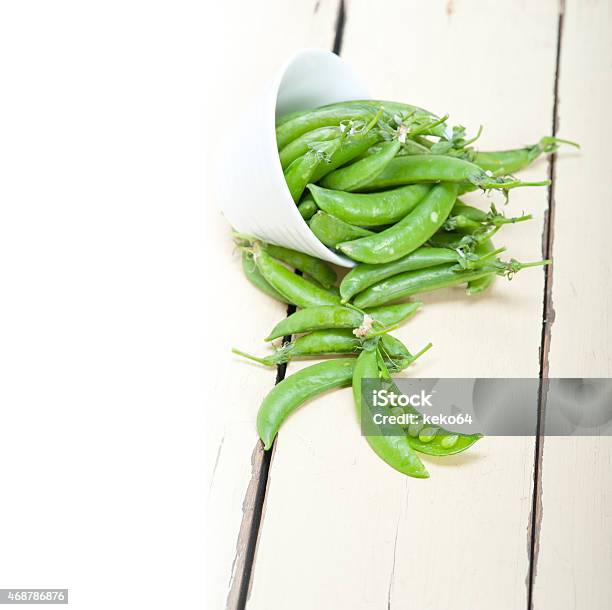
(270, 128)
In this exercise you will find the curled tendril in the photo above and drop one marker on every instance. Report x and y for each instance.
(457, 145)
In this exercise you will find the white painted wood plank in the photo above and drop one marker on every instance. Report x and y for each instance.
(354, 533)
(575, 557)
(249, 40)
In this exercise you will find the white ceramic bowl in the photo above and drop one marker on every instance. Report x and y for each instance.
(253, 194)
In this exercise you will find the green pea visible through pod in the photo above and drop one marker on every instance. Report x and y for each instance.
(362, 276)
(426, 435)
(414, 429)
(372, 209)
(286, 396)
(300, 146)
(395, 450)
(298, 290)
(408, 234)
(252, 274)
(356, 175)
(434, 440)
(449, 441)
(330, 230)
(314, 267)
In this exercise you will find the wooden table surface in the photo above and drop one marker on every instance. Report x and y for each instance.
(321, 523)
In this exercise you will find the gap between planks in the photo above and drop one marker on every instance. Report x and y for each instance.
(255, 497)
(548, 317)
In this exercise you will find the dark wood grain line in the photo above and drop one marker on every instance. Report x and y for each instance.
(548, 317)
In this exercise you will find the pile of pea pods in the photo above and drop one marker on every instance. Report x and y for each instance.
(380, 183)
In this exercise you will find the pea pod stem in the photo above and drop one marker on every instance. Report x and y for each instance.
(375, 120)
(510, 161)
(248, 356)
(428, 127)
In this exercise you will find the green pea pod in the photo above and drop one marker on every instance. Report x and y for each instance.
(390, 315)
(331, 342)
(395, 450)
(317, 343)
(331, 230)
(411, 147)
(285, 118)
(362, 276)
(408, 234)
(412, 169)
(316, 268)
(401, 109)
(502, 162)
(295, 390)
(307, 208)
(252, 274)
(468, 219)
(300, 146)
(454, 240)
(298, 290)
(293, 128)
(393, 350)
(369, 210)
(483, 283)
(301, 171)
(352, 146)
(358, 174)
(335, 317)
(315, 318)
(433, 440)
(416, 282)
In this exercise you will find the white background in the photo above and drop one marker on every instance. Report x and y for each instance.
(103, 300)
